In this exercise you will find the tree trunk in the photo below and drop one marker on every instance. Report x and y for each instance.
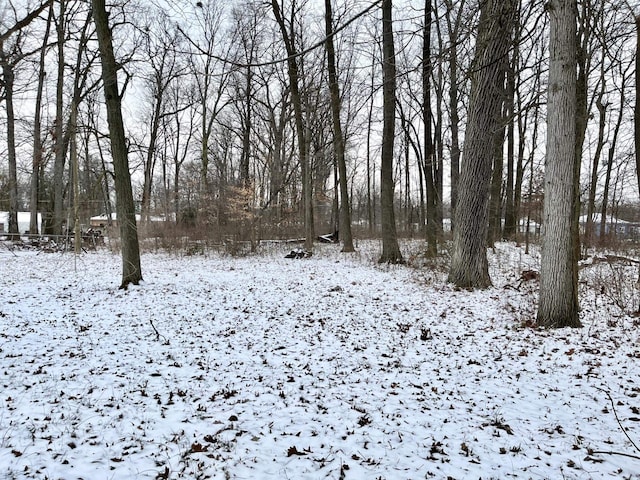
(247, 127)
(125, 208)
(469, 265)
(8, 78)
(610, 158)
(429, 151)
(583, 62)
(150, 160)
(371, 219)
(558, 298)
(294, 85)
(453, 31)
(591, 203)
(510, 220)
(495, 194)
(636, 110)
(34, 191)
(390, 248)
(59, 144)
(338, 138)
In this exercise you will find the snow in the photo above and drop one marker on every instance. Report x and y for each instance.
(332, 366)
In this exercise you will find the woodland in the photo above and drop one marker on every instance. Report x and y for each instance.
(463, 123)
(315, 240)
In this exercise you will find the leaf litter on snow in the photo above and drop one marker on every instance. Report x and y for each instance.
(323, 367)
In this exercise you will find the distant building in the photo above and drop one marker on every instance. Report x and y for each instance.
(24, 221)
(613, 226)
(102, 221)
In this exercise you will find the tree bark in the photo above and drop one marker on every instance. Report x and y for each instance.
(636, 109)
(558, 298)
(510, 220)
(125, 208)
(469, 265)
(495, 193)
(296, 99)
(34, 190)
(591, 202)
(453, 29)
(390, 248)
(429, 151)
(8, 78)
(338, 137)
(610, 159)
(59, 143)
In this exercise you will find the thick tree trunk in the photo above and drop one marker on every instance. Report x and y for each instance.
(338, 138)
(390, 248)
(469, 265)
(558, 299)
(125, 208)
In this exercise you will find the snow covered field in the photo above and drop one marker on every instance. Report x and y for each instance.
(329, 367)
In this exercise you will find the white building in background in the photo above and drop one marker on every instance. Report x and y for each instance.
(24, 219)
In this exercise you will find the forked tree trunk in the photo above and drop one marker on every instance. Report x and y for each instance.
(296, 100)
(125, 208)
(558, 299)
(469, 265)
(390, 248)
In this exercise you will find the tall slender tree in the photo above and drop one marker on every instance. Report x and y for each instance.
(429, 151)
(390, 247)
(125, 208)
(34, 191)
(558, 299)
(338, 137)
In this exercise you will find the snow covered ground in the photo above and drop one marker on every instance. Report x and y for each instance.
(328, 367)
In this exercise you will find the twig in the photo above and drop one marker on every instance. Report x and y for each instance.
(615, 453)
(158, 335)
(613, 406)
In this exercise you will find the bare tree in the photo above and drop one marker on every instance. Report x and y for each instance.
(338, 137)
(558, 299)
(10, 55)
(34, 192)
(160, 44)
(429, 151)
(288, 36)
(454, 31)
(125, 208)
(390, 247)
